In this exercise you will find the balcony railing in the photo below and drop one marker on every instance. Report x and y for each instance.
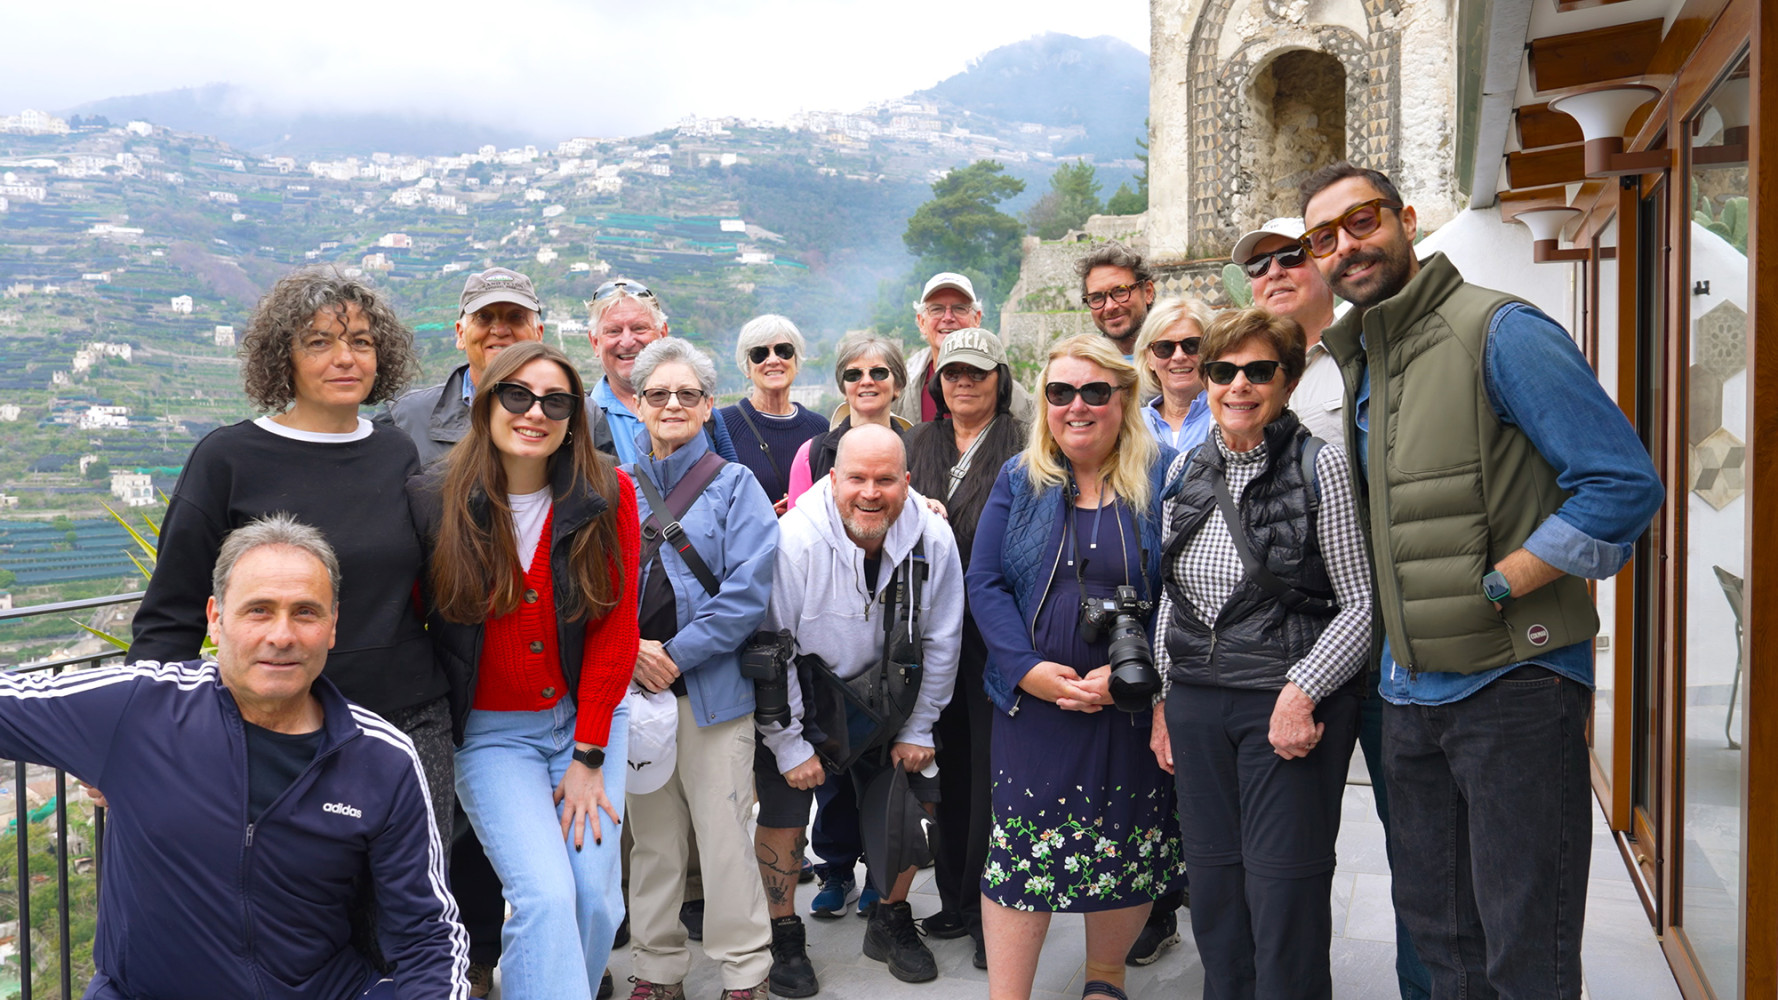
(22, 810)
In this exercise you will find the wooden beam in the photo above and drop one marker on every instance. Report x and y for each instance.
(1564, 6)
(1539, 127)
(1544, 168)
(1529, 200)
(1602, 55)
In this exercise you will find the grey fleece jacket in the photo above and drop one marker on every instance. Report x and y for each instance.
(818, 594)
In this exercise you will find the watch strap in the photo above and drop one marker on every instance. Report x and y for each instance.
(593, 757)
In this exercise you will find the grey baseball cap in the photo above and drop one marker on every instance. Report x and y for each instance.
(498, 284)
(974, 347)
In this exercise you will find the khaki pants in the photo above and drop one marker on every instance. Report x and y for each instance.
(711, 791)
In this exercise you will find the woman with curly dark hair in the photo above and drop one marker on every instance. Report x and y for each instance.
(319, 346)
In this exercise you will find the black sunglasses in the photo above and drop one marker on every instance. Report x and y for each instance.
(1258, 372)
(784, 349)
(877, 374)
(519, 399)
(625, 285)
(1164, 349)
(1287, 258)
(1093, 393)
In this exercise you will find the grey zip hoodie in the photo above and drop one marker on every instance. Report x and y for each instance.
(818, 594)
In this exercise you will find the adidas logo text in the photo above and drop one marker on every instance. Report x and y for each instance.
(340, 808)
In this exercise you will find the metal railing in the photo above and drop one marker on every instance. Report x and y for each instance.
(22, 808)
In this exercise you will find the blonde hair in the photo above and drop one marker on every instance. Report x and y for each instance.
(1163, 316)
(1135, 449)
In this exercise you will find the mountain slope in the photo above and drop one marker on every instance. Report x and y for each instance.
(1100, 84)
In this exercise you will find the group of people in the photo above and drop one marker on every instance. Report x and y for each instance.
(1102, 648)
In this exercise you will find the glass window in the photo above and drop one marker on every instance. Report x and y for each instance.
(1605, 341)
(1716, 520)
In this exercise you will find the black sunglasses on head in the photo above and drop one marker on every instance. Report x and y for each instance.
(1164, 349)
(1258, 372)
(877, 374)
(625, 285)
(1093, 393)
(783, 349)
(519, 399)
(1287, 258)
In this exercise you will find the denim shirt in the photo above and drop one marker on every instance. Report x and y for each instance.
(1193, 431)
(1538, 381)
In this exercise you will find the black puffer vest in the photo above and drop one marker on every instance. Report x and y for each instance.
(1255, 639)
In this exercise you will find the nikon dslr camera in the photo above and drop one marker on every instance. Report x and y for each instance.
(1134, 679)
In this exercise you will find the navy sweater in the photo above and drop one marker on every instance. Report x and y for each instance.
(779, 437)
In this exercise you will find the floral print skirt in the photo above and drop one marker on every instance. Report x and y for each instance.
(1084, 818)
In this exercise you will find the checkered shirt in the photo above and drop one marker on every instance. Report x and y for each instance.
(1208, 568)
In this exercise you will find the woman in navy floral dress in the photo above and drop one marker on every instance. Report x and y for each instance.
(1083, 816)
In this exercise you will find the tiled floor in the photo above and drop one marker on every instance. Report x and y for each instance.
(1622, 958)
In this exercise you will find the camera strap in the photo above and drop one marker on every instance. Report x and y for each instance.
(742, 408)
(698, 478)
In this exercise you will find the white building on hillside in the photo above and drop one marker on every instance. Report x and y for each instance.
(182, 304)
(135, 489)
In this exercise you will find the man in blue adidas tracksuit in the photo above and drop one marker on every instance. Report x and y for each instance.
(248, 799)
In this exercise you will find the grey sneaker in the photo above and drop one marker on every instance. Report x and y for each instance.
(645, 990)
(755, 992)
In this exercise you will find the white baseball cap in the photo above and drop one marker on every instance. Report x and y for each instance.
(654, 739)
(948, 279)
(1290, 229)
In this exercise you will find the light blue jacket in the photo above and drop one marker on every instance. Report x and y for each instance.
(736, 533)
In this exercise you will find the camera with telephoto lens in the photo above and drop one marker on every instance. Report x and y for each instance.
(1134, 680)
(765, 661)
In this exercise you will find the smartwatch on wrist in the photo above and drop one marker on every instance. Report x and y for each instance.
(1495, 588)
(593, 757)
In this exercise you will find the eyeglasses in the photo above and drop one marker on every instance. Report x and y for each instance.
(1360, 220)
(938, 309)
(1164, 349)
(1092, 394)
(1120, 295)
(317, 344)
(877, 374)
(1287, 258)
(625, 285)
(1258, 372)
(784, 349)
(963, 373)
(519, 399)
(687, 398)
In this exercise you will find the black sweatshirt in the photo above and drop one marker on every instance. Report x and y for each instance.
(355, 492)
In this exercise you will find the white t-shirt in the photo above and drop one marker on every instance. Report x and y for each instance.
(529, 511)
(359, 433)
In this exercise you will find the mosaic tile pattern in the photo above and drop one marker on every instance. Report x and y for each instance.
(1718, 468)
(1214, 154)
(1722, 340)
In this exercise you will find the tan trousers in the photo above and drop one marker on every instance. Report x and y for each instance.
(711, 791)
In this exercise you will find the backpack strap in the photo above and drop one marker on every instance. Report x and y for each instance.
(692, 485)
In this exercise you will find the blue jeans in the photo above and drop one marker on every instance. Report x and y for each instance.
(1410, 973)
(1492, 808)
(566, 904)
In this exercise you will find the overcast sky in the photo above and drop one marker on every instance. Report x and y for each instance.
(559, 67)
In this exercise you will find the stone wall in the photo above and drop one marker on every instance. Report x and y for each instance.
(1242, 101)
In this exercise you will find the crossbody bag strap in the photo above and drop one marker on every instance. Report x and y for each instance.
(742, 408)
(961, 469)
(1287, 595)
(696, 479)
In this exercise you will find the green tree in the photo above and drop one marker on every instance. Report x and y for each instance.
(961, 228)
(1125, 201)
(1073, 195)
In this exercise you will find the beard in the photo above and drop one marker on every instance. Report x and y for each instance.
(1391, 274)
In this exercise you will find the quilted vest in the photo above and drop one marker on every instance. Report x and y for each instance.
(1254, 639)
(1452, 489)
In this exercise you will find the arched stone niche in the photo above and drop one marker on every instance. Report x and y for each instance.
(1293, 121)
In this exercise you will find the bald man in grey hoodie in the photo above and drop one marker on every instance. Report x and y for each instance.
(843, 546)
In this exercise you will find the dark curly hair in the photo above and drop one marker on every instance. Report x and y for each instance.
(267, 373)
(1113, 254)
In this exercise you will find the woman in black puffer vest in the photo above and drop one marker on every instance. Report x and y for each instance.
(1264, 629)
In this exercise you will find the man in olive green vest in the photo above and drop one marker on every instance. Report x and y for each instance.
(1498, 476)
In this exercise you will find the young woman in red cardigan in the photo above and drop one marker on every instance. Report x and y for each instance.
(534, 542)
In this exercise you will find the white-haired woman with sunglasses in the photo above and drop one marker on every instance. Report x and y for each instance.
(871, 373)
(531, 595)
(1263, 629)
(1167, 356)
(702, 597)
(766, 427)
(1082, 819)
